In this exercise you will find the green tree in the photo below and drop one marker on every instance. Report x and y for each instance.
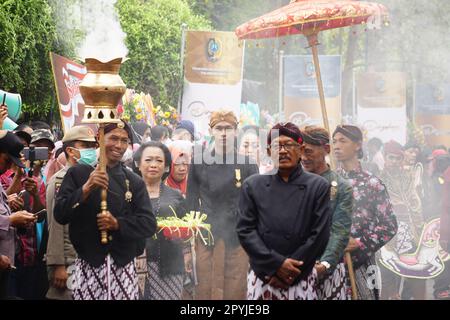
(27, 35)
(70, 34)
(153, 31)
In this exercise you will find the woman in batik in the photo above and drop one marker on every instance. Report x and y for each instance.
(165, 260)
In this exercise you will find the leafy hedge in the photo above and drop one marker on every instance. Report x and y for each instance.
(153, 31)
(27, 35)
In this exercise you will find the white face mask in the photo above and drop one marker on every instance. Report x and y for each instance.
(127, 156)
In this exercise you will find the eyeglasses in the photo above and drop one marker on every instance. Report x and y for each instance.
(115, 140)
(287, 146)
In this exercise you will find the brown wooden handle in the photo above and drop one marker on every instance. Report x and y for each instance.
(351, 274)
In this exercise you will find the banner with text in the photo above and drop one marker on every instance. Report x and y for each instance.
(433, 112)
(381, 105)
(301, 94)
(212, 76)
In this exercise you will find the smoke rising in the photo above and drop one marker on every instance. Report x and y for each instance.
(105, 39)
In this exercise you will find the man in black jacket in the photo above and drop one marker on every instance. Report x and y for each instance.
(284, 222)
(106, 271)
(214, 183)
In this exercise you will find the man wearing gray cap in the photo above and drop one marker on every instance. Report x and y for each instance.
(43, 138)
(79, 146)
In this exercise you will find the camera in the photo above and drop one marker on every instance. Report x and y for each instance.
(35, 153)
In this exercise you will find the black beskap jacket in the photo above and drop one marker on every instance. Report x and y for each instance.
(279, 220)
(136, 220)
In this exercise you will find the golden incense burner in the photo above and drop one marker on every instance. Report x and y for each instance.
(102, 89)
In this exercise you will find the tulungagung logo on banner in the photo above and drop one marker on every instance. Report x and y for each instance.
(214, 50)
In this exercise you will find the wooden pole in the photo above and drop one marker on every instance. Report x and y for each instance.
(103, 203)
(313, 42)
(280, 85)
(351, 273)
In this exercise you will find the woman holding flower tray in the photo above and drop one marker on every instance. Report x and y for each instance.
(165, 257)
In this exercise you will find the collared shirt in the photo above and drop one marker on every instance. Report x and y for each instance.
(341, 203)
(373, 222)
(60, 250)
(279, 220)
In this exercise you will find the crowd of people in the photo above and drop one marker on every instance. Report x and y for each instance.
(285, 207)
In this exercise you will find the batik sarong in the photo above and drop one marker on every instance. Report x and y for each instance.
(107, 282)
(304, 290)
(334, 286)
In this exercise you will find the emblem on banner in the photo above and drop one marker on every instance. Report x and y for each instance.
(380, 85)
(310, 71)
(214, 50)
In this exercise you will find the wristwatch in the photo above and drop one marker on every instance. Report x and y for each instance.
(326, 264)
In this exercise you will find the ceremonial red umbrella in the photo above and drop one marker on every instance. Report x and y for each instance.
(309, 17)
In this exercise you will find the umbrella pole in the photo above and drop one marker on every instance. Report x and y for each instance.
(313, 42)
(351, 274)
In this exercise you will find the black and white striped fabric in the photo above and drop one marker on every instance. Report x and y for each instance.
(334, 286)
(117, 283)
(304, 290)
(162, 288)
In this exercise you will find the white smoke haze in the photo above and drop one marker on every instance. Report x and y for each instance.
(105, 39)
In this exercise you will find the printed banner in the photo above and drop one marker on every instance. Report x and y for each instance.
(381, 105)
(301, 94)
(213, 76)
(432, 112)
(68, 76)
